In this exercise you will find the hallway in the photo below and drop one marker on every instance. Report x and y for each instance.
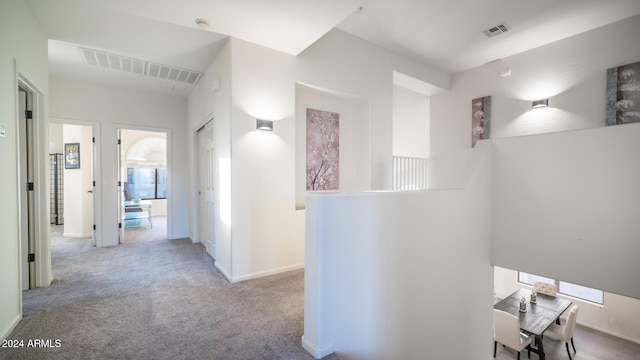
(157, 298)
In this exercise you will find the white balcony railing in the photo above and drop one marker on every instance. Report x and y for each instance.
(410, 173)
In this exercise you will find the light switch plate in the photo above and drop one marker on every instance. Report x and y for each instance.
(3, 131)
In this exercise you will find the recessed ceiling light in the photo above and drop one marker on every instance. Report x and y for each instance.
(203, 24)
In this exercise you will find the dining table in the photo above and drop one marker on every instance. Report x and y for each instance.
(538, 317)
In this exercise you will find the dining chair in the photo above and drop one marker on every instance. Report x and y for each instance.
(545, 288)
(506, 331)
(565, 333)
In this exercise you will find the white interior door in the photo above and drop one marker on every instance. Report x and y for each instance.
(206, 187)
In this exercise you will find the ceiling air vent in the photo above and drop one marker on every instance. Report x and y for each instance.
(113, 61)
(140, 67)
(173, 73)
(497, 30)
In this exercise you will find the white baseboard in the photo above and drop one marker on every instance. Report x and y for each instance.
(318, 352)
(619, 336)
(266, 273)
(6, 331)
(222, 271)
(69, 235)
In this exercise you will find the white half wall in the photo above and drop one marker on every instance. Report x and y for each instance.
(566, 205)
(380, 268)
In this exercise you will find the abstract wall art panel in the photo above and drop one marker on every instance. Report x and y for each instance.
(623, 94)
(323, 150)
(480, 119)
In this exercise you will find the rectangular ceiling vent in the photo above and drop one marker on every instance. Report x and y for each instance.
(497, 30)
(137, 66)
(113, 61)
(173, 73)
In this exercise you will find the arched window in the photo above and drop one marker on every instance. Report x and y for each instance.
(147, 169)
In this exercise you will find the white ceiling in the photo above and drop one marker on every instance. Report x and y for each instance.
(445, 34)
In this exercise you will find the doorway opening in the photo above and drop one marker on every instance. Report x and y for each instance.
(143, 182)
(72, 181)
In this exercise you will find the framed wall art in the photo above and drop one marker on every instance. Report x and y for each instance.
(623, 94)
(480, 119)
(323, 150)
(72, 156)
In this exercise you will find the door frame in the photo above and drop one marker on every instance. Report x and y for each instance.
(196, 185)
(97, 175)
(117, 129)
(42, 250)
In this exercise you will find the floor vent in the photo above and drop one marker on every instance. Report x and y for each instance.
(137, 66)
(497, 30)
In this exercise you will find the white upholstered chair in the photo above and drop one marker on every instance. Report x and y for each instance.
(506, 331)
(545, 288)
(565, 333)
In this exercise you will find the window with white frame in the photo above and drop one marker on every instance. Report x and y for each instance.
(566, 288)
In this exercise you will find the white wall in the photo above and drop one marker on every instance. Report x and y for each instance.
(29, 51)
(571, 72)
(78, 203)
(569, 201)
(345, 64)
(121, 108)
(267, 232)
(379, 268)
(204, 105)
(625, 311)
(411, 126)
(354, 144)
(56, 145)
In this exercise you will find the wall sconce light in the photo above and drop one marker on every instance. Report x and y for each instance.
(542, 103)
(265, 125)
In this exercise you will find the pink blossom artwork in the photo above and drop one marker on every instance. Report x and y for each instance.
(323, 130)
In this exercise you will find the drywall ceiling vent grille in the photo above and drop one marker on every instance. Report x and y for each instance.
(113, 61)
(173, 73)
(140, 67)
(497, 30)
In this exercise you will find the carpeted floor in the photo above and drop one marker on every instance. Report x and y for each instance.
(152, 298)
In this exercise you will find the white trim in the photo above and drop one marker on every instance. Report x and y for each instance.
(266, 273)
(97, 174)
(318, 352)
(195, 182)
(608, 332)
(169, 139)
(77, 236)
(222, 271)
(6, 331)
(44, 274)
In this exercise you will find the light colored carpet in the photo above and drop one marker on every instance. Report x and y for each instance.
(152, 298)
